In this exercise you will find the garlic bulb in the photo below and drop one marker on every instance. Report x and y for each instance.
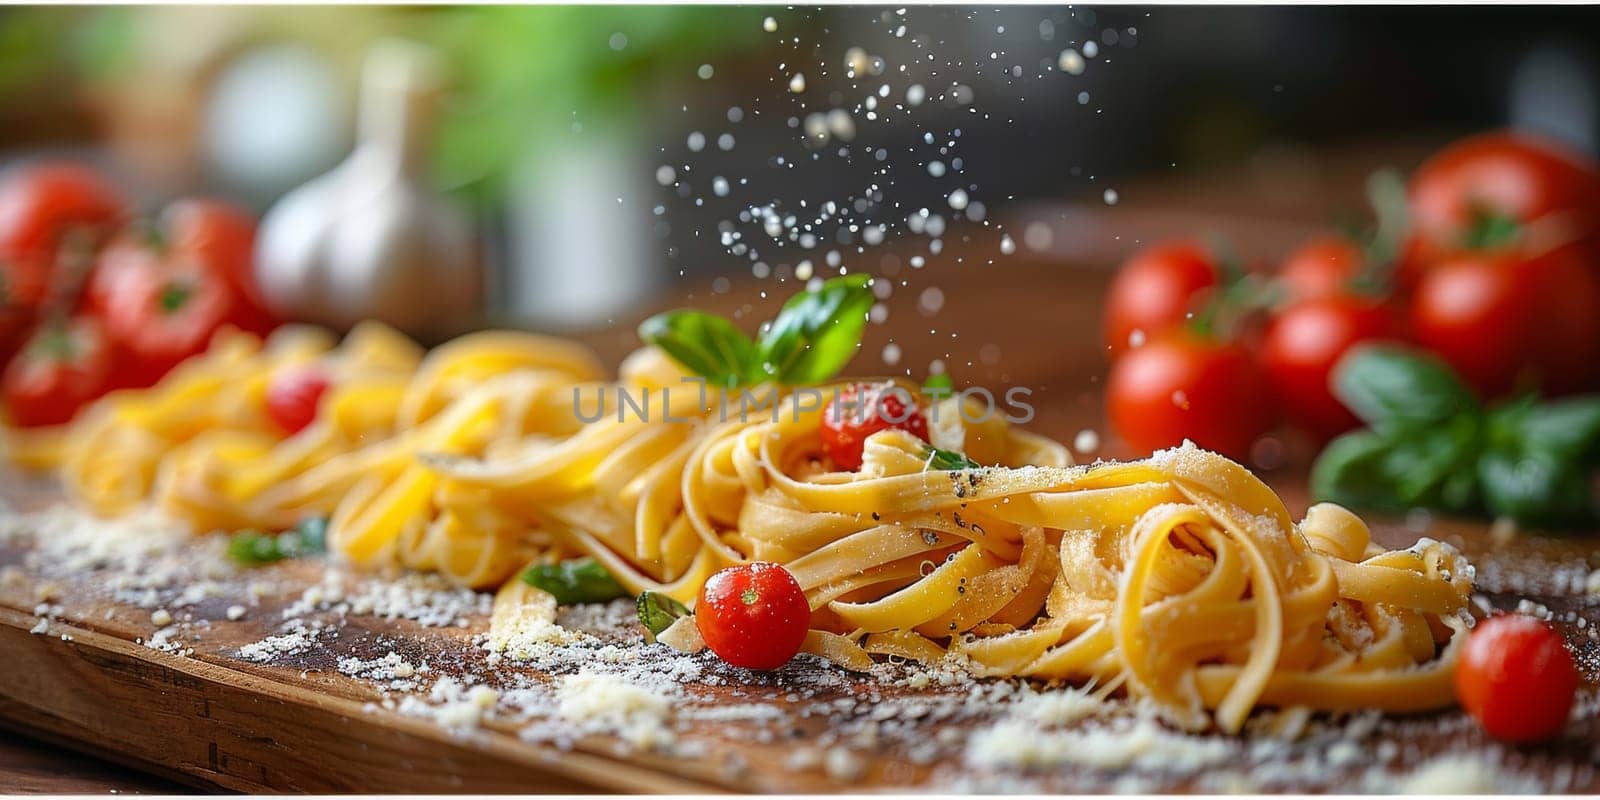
(371, 238)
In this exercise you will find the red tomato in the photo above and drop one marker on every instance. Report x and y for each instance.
(64, 366)
(1517, 678)
(164, 314)
(1155, 290)
(1509, 175)
(292, 397)
(1504, 320)
(1302, 345)
(1180, 385)
(47, 207)
(1321, 267)
(860, 411)
(204, 233)
(221, 237)
(753, 615)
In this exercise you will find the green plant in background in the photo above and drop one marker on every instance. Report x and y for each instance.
(1431, 444)
(524, 71)
(520, 75)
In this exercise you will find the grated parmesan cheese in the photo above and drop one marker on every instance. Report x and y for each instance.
(1462, 774)
(601, 703)
(1063, 707)
(1145, 745)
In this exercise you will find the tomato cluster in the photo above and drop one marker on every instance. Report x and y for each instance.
(1495, 268)
(92, 300)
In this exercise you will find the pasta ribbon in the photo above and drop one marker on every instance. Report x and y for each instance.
(1181, 578)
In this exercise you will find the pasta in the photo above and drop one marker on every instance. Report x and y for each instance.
(1181, 579)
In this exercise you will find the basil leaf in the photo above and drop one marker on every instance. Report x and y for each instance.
(946, 460)
(253, 548)
(941, 384)
(816, 333)
(1433, 467)
(1398, 471)
(1392, 388)
(657, 612)
(1537, 489)
(704, 344)
(1567, 429)
(310, 537)
(580, 580)
(1348, 472)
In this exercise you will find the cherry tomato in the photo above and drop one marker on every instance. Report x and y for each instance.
(1517, 678)
(52, 216)
(1510, 176)
(221, 237)
(1305, 341)
(1155, 290)
(64, 366)
(860, 411)
(1505, 321)
(203, 233)
(1181, 385)
(292, 397)
(1321, 267)
(753, 615)
(162, 314)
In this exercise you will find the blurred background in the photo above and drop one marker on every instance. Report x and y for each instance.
(581, 165)
(575, 169)
(605, 157)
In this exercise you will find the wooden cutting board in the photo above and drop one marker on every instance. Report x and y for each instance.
(204, 713)
(211, 717)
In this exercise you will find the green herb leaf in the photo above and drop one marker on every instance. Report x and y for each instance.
(1395, 388)
(1403, 469)
(946, 460)
(1567, 429)
(657, 612)
(310, 537)
(940, 385)
(816, 333)
(705, 344)
(1432, 446)
(1537, 489)
(254, 548)
(580, 580)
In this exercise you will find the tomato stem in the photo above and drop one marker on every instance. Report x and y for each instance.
(1386, 193)
(174, 295)
(55, 343)
(1491, 230)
